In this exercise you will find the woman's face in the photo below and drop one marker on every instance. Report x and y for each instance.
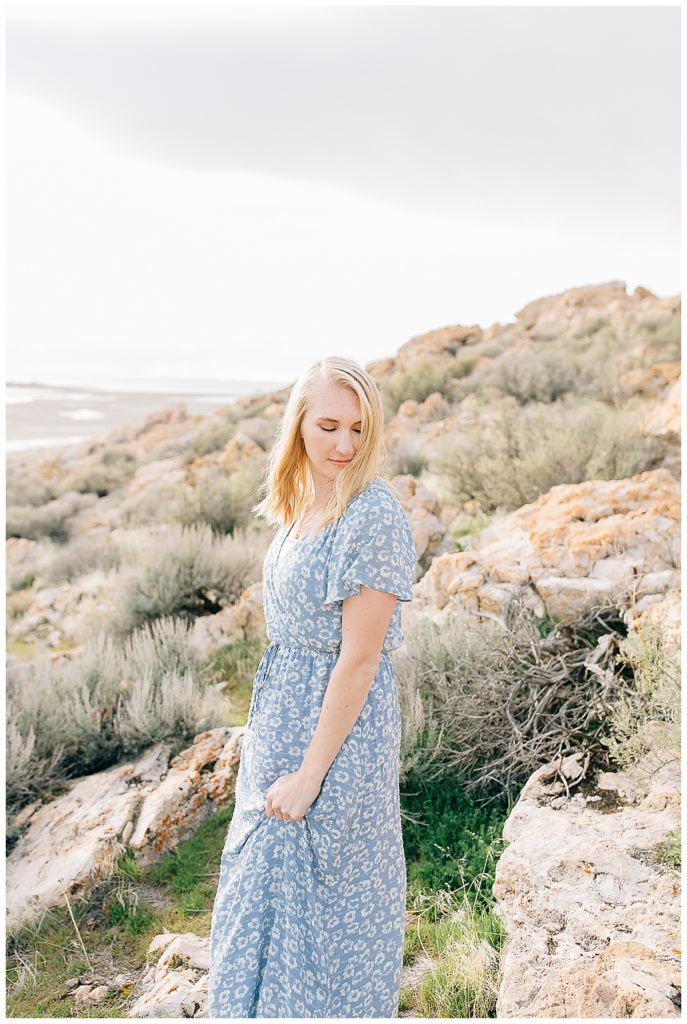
(331, 429)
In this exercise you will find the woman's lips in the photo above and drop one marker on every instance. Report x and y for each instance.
(340, 462)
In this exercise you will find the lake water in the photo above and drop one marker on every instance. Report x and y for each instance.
(53, 414)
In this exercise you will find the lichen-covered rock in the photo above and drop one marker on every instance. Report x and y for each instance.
(575, 546)
(593, 922)
(148, 805)
(430, 532)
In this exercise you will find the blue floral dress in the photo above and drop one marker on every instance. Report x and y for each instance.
(308, 919)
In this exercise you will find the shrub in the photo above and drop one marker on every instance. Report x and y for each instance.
(523, 451)
(534, 375)
(155, 709)
(489, 702)
(211, 437)
(645, 717)
(25, 486)
(421, 380)
(80, 556)
(663, 332)
(405, 458)
(33, 565)
(221, 500)
(158, 502)
(103, 474)
(448, 840)
(260, 429)
(50, 520)
(180, 571)
(80, 715)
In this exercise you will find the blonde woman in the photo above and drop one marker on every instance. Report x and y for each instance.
(308, 918)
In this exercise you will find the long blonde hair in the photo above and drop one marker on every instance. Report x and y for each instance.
(288, 483)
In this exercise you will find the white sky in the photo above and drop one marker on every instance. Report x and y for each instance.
(236, 193)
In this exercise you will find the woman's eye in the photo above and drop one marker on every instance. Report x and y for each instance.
(329, 430)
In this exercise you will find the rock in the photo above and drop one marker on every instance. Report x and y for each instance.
(574, 547)
(625, 980)
(71, 842)
(430, 532)
(177, 984)
(237, 452)
(97, 995)
(188, 793)
(81, 995)
(238, 621)
(664, 419)
(593, 923)
(152, 473)
(651, 381)
(54, 613)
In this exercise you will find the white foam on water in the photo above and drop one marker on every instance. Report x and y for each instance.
(82, 414)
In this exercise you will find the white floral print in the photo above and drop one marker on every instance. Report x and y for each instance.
(308, 919)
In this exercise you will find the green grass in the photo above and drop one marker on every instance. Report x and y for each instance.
(451, 840)
(669, 853)
(237, 662)
(456, 938)
(451, 848)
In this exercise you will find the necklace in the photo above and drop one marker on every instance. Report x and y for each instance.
(297, 533)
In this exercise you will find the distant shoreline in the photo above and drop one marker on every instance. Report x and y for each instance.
(43, 415)
(152, 385)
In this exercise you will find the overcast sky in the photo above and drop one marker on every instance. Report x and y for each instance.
(238, 192)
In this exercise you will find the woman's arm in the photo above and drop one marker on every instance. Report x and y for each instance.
(365, 620)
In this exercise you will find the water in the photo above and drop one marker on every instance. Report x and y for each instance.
(54, 413)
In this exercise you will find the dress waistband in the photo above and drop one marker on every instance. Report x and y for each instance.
(310, 648)
(273, 646)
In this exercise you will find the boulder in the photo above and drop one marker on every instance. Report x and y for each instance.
(593, 921)
(148, 805)
(576, 546)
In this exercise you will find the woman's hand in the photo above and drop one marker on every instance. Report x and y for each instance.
(291, 796)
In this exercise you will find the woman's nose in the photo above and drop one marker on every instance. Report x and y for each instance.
(345, 448)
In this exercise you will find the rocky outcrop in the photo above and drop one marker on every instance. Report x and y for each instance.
(574, 547)
(54, 614)
(147, 805)
(593, 920)
(591, 910)
(582, 311)
(662, 425)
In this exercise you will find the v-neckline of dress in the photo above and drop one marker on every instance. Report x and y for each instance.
(309, 536)
(298, 543)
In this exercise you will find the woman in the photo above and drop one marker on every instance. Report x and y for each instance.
(308, 919)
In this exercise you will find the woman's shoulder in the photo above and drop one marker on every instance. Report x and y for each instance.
(376, 498)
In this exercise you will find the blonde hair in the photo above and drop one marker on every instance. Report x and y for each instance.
(288, 479)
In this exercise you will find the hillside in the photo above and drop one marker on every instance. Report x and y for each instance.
(539, 463)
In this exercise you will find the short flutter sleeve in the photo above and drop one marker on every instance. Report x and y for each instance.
(374, 546)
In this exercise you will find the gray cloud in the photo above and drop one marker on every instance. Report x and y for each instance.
(426, 106)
